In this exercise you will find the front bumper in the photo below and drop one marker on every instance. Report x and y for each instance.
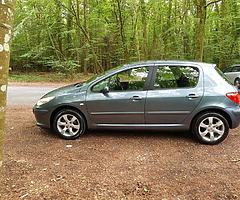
(42, 117)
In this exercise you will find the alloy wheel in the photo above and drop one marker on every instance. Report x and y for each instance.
(211, 129)
(68, 125)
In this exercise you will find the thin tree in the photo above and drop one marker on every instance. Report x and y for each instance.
(6, 16)
(200, 27)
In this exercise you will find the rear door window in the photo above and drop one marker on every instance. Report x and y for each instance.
(170, 77)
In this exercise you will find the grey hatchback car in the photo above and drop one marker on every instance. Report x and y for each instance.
(162, 95)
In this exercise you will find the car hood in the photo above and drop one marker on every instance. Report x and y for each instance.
(69, 89)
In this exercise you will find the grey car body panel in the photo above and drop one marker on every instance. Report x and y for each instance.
(156, 109)
(74, 99)
(117, 107)
(214, 98)
(172, 106)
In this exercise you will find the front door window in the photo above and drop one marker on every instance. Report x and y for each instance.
(128, 80)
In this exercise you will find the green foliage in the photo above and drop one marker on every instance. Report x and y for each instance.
(68, 67)
(72, 36)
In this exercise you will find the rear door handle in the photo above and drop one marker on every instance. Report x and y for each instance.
(136, 98)
(193, 96)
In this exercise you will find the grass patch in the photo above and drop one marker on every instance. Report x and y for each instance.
(46, 77)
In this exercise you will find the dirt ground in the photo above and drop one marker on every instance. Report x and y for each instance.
(115, 165)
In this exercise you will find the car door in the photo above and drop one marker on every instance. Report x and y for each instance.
(124, 101)
(175, 93)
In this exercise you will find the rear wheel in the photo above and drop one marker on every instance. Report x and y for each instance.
(210, 128)
(69, 124)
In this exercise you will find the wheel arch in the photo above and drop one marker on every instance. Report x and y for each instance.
(62, 107)
(216, 110)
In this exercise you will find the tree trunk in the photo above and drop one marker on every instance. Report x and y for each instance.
(69, 29)
(144, 29)
(58, 30)
(168, 32)
(86, 44)
(6, 15)
(121, 23)
(86, 37)
(186, 35)
(200, 28)
(119, 10)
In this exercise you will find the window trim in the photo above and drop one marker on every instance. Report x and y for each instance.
(151, 87)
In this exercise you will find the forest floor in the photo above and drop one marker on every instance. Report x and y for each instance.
(115, 165)
(47, 77)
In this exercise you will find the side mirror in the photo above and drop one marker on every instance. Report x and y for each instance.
(105, 90)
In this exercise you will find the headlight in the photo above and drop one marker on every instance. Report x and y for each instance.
(44, 100)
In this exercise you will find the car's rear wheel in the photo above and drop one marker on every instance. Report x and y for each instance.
(69, 124)
(210, 128)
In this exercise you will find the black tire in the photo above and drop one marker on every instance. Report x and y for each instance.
(67, 134)
(237, 82)
(202, 133)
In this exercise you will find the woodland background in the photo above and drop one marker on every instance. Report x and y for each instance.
(90, 36)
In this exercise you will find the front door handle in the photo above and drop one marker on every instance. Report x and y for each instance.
(136, 98)
(192, 96)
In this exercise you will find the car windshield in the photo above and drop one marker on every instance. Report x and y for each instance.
(223, 75)
(97, 76)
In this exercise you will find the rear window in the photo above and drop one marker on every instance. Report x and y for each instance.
(223, 75)
(236, 69)
(232, 69)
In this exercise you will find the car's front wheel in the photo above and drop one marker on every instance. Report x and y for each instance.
(210, 128)
(69, 124)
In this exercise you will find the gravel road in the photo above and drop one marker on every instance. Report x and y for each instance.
(115, 165)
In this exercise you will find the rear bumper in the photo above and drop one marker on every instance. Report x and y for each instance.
(42, 117)
(234, 113)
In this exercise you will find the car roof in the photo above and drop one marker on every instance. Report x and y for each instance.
(168, 62)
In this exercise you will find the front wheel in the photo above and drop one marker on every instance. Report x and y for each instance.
(210, 128)
(69, 124)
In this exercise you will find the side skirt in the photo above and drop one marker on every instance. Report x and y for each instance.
(141, 126)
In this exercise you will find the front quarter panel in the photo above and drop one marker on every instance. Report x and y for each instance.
(44, 112)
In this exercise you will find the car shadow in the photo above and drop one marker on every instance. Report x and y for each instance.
(129, 134)
(139, 134)
(47, 132)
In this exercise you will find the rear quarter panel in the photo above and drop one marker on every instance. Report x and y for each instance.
(214, 97)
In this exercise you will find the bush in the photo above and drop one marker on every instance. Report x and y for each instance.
(68, 67)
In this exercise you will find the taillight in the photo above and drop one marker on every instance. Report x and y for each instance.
(234, 96)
